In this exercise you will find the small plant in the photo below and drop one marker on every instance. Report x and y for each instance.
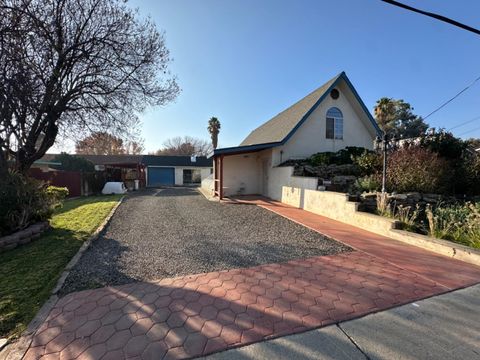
(458, 223)
(368, 183)
(56, 195)
(383, 206)
(408, 217)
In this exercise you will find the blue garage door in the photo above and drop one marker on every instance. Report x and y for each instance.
(158, 176)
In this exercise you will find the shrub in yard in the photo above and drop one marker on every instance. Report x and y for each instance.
(56, 195)
(467, 174)
(346, 156)
(24, 201)
(323, 158)
(368, 162)
(458, 223)
(368, 183)
(341, 157)
(418, 169)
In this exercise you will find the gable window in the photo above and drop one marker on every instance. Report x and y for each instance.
(334, 124)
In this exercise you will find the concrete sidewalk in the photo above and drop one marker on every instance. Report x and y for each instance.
(443, 327)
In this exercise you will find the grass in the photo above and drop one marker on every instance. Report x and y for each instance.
(29, 272)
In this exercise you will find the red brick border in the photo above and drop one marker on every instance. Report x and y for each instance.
(196, 315)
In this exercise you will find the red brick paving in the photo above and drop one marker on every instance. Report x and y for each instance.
(449, 272)
(199, 314)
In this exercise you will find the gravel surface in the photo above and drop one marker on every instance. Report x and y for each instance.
(159, 233)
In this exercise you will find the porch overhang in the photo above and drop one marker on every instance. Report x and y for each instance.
(219, 155)
(244, 149)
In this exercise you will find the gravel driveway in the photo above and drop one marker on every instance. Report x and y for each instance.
(168, 232)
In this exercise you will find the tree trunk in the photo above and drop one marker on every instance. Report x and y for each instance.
(3, 164)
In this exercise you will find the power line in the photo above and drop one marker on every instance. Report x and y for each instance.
(435, 16)
(453, 98)
(469, 131)
(464, 123)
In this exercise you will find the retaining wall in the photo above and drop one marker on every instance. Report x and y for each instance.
(23, 236)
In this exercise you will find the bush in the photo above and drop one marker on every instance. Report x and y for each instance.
(56, 195)
(341, 157)
(368, 162)
(458, 223)
(323, 158)
(417, 169)
(368, 183)
(24, 201)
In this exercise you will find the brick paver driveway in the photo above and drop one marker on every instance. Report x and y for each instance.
(198, 314)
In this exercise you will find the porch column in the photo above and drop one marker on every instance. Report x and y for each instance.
(221, 178)
(215, 176)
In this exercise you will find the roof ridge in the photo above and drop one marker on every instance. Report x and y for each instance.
(316, 94)
(303, 98)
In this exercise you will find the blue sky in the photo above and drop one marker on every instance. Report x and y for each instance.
(246, 60)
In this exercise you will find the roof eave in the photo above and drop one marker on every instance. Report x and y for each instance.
(244, 149)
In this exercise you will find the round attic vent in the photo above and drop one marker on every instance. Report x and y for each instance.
(334, 94)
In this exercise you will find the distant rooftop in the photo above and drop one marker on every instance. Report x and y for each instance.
(148, 160)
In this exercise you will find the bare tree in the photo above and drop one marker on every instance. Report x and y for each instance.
(75, 66)
(134, 147)
(186, 145)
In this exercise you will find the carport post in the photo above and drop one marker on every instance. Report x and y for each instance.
(221, 178)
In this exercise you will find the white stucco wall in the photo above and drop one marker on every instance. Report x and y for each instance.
(280, 177)
(240, 174)
(310, 137)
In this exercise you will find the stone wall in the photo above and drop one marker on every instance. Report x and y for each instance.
(23, 236)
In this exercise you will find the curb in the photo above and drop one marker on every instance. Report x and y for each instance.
(18, 349)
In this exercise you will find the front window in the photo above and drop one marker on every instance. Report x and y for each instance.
(334, 124)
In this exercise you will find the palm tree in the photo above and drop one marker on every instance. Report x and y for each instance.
(385, 113)
(214, 128)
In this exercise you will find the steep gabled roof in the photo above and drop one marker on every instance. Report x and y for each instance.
(282, 126)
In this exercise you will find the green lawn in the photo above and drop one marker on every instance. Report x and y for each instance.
(29, 272)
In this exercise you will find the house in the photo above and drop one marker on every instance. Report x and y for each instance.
(176, 170)
(329, 119)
